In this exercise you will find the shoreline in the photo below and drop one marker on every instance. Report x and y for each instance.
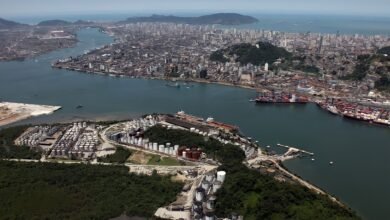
(15, 112)
(202, 81)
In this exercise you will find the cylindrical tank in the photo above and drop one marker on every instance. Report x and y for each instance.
(209, 177)
(221, 176)
(209, 216)
(189, 154)
(196, 155)
(180, 152)
(166, 150)
(197, 215)
(184, 154)
(196, 206)
(216, 186)
(199, 194)
(172, 150)
(161, 148)
(205, 185)
(234, 216)
(176, 147)
(155, 146)
(210, 204)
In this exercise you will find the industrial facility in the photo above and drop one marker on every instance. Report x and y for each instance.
(76, 141)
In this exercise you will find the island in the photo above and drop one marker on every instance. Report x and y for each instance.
(166, 166)
(54, 23)
(219, 18)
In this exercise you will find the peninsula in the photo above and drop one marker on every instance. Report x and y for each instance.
(174, 166)
(13, 112)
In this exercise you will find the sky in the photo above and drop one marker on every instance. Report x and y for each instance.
(62, 7)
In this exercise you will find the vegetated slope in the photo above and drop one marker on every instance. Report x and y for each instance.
(54, 23)
(120, 156)
(78, 191)
(11, 151)
(4, 24)
(250, 193)
(260, 54)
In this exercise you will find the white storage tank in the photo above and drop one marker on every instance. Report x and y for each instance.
(161, 148)
(184, 154)
(209, 177)
(199, 194)
(155, 146)
(166, 150)
(209, 216)
(210, 204)
(172, 151)
(221, 176)
(205, 185)
(216, 186)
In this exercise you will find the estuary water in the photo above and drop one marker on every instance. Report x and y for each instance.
(361, 152)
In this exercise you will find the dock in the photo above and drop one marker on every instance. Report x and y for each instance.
(296, 149)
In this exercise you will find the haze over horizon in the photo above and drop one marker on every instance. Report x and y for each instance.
(15, 8)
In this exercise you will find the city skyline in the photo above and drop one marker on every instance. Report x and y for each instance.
(348, 7)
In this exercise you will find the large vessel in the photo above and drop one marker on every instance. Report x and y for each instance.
(356, 111)
(281, 97)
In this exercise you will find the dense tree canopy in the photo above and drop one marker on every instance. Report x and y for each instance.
(77, 191)
(260, 54)
(9, 150)
(120, 156)
(250, 193)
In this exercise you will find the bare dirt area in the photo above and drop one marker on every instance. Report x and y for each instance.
(140, 157)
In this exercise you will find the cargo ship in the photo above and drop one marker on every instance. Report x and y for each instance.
(281, 97)
(356, 111)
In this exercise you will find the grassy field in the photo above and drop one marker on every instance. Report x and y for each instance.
(163, 161)
(120, 156)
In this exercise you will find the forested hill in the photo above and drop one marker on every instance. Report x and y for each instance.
(259, 54)
(5, 24)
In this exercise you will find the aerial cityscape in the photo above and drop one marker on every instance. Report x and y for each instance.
(194, 110)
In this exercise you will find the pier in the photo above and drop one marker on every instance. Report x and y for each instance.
(295, 149)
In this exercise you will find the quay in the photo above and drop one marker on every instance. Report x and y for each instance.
(295, 149)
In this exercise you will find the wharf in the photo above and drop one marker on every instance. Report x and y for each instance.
(296, 149)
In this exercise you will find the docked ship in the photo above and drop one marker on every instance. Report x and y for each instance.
(282, 97)
(356, 111)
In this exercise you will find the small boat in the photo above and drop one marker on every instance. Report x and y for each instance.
(79, 106)
(331, 162)
(175, 85)
(312, 159)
